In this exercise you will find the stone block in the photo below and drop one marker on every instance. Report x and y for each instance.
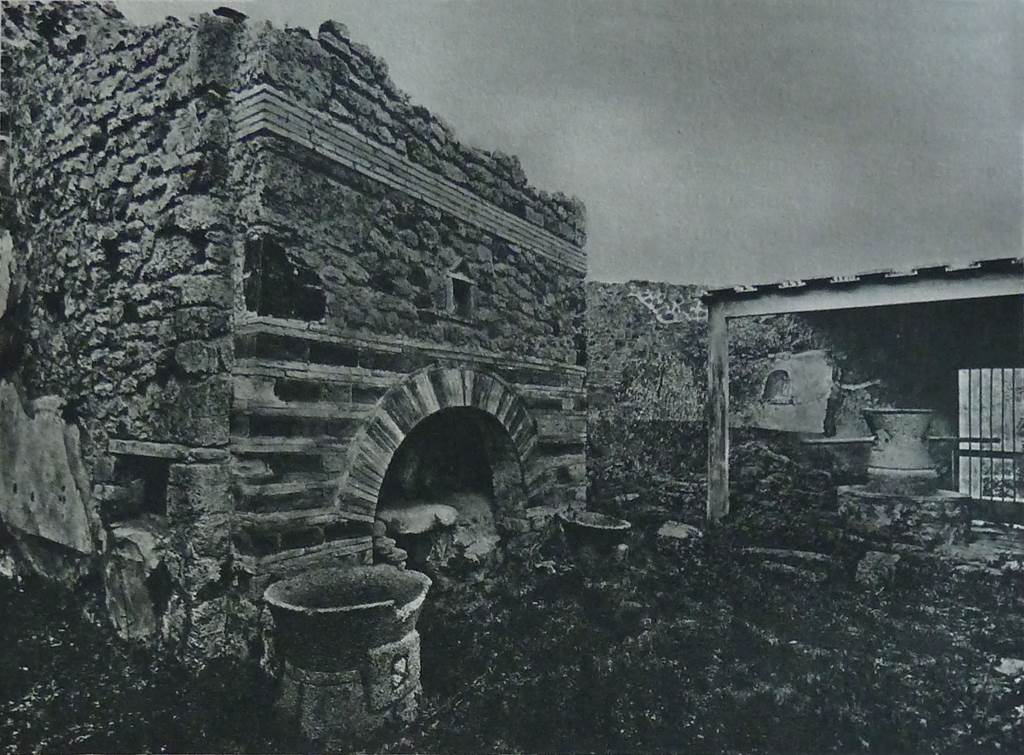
(1011, 667)
(795, 573)
(334, 36)
(206, 635)
(1001, 541)
(541, 516)
(103, 469)
(192, 574)
(210, 536)
(198, 490)
(201, 290)
(515, 525)
(174, 622)
(8, 268)
(386, 551)
(8, 566)
(201, 322)
(118, 501)
(393, 671)
(196, 357)
(940, 518)
(214, 46)
(679, 531)
(136, 550)
(405, 710)
(877, 569)
(197, 412)
(417, 519)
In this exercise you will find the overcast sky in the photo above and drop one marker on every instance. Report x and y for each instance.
(725, 141)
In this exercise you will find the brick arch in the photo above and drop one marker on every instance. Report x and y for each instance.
(417, 397)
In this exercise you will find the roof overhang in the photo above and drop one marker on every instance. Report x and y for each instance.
(974, 280)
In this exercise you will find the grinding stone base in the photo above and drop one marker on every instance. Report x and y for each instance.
(938, 518)
(912, 482)
(334, 708)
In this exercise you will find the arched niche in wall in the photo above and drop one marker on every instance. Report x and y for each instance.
(500, 418)
(778, 388)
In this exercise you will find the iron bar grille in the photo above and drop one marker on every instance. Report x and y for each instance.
(990, 455)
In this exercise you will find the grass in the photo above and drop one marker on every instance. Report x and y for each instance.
(68, 684)
(675, 649)
(697, 651)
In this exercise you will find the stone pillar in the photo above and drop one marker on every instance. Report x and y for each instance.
(718, 414)
(199, 507)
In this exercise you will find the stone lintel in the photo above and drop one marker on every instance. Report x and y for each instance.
(173, 451)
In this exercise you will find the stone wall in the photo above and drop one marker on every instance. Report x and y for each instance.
(648, 350)
(233, 257)
(122, 208)
(647, 363)
(646, 344)
(382, 258)
(121, 202)
(435, 278)
(332, 74)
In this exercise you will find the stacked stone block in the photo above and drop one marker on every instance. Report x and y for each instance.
(124, 226)
(335, 75)
(348, 195)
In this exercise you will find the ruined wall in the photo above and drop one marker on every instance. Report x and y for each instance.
(235, 256)
(647, 348)
(431, 276)
(647, 381)
(121, 213)
(640, 335)
(649, 358)
(382, 258)
(334, 75)
(119, 190)
(384, 223)
(646, 389)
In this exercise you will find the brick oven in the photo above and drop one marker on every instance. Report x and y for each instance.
(266, 293)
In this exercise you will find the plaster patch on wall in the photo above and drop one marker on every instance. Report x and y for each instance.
(43, 485)
(667, 308)
(794, 394)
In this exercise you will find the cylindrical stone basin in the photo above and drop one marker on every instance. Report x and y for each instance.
(351, 654)
(588, 528)
(899, 461)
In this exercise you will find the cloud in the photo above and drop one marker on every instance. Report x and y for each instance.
(721, 141)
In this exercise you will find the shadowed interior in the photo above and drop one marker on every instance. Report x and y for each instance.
(461, 457)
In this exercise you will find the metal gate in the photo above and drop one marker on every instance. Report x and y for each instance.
(990, 453)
